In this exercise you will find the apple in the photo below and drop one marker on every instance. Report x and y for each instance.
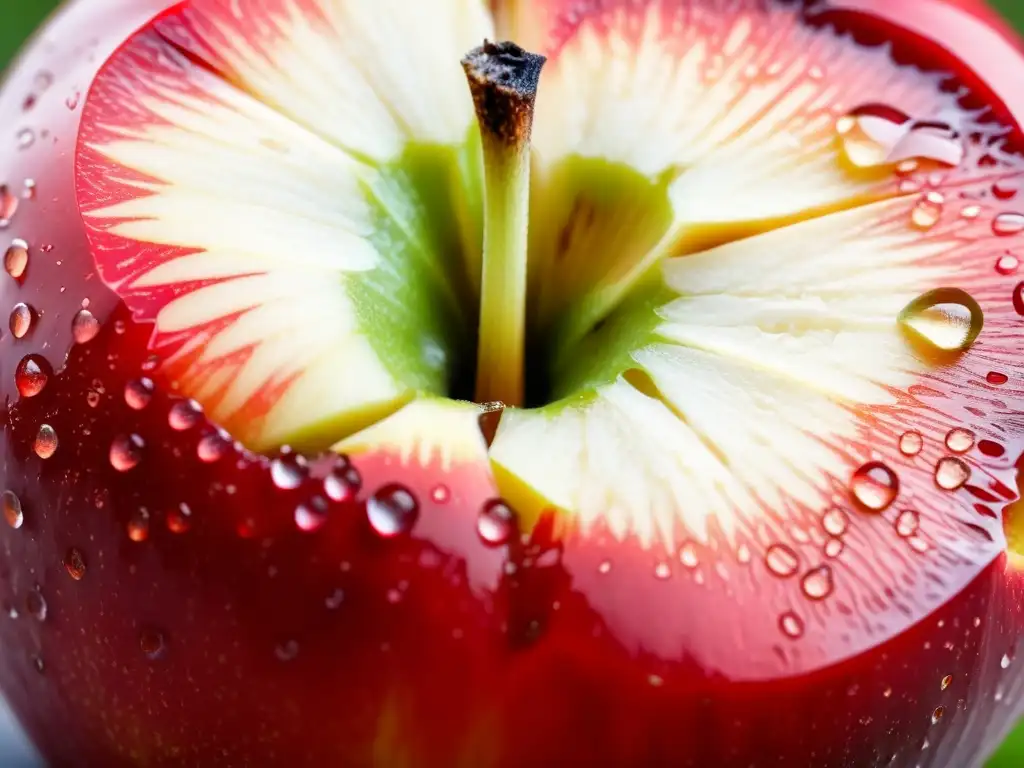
(645, 390)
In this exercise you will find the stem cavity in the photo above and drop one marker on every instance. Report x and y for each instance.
(503, 80)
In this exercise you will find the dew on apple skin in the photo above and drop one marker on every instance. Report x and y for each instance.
(311, 515)
(928, 211)
(126, 452)
(662, 572)
(138, 393)
(781, 560)
(20, 321)
(937, 715)
(392, 511)
(835, 521)
(1004, 189)
(942, 322)
(791, 625)
(84, 326)
(184, 415)
(16, 258)
(287, 651)
(960, 440)
(496, 523)
(817, 584)
(874, 486)
(45, 444)
(334, 600)
(1007, 264)
(25, 138)
(907, 523)
(35, 605)
(911, 443)
(152, 643)
(688, 555)
(951, 473)
(288, 470)
(74, 563)
(1004, 663)
(13, 512)
(946, 682)
(1007, 224)
(212, 447)
(179, 519)
(834, 548)
(138, 526)
(343, 482)
(31, 375)
(440, 494)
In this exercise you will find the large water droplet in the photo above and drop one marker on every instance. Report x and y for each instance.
(184, 415)
(152, 643)
(126, 452)
(288, 471)
(20, 321)
(791, 625)
(1006, 224)
(212, 447)
(835, 521)
(496, 523)
(343, 482)
(942, 322)
(392, 511)
(16, 259)
(84, 326)
(311, 515)
(74, 563)
(13, 512)
(960, 440)
(781, 560)
(31, 375)
(138, 393)
(951, 473)
(875, 486)
(45, 444)
(817, 584)
(907, 523)
(869, 133)
(911, 443)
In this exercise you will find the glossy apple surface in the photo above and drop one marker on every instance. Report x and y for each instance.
(174, 598)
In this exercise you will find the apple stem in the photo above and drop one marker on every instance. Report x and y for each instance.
(503, 80)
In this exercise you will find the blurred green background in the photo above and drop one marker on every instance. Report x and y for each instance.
(19, 17)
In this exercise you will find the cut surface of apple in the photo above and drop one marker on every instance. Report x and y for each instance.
(769, 297)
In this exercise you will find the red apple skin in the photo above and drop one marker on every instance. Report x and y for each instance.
(230, 637)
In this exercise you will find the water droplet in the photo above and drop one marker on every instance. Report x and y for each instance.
(970, 212)
(31, 375)
(212, 447)
(688, 555)
(74, 564)
(13, 513)
(342, 484)
(942, 322)
(951, 473)
(138, 526)
(781, 560)
(662, 571)
(496, 523)
(184, 415)
(937, 714)
(875, 486)
(84, 327)
(287, 471)
(334, 600)
(25, 137)
(179, 519)
(46, 442)
(1004, 662)
(931, 141)
(605, 567)
(1007, 264)
(911, 443)
(8, 205)
(918, 544)
(440, 494)
(946, 682)
(310, 516)
(928, 211)
(20, 321)
(71, 102)
(152, 643)
(817, 584)
(16, 256)
(996, 378)
(1004, 189)
(991, 448)
(35, 605)
(287, 650)
(138, 393)
(1006, 224)
(960, 440)
(392, 511)
(907, 523)
(791, 625)
(834, 548)
(835, 521)
(869, 133)
(126, 452)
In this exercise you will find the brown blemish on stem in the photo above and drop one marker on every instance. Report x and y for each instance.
(503, 80)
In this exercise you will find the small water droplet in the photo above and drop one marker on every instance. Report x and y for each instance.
(138, 393)
(791, 625)
(496, 523)
(16, 257)
(287, 471)
(212, 447)
(937, 714)
(996, 378)
(662, 571)
(84, 327)
(343, 482)
(834, 548)
(184, 415)
(334, 600)
(74, 564)
(13, 513)
(907, 523)
(311, 515)
(781, 560)
(835, 521)
(875, 486)
(20, 321)
(946, 682)
(970, 212)
(152, 643)
(31, 375)
(688, 555)
(869, 133)
(138, 526)
(25, 137)
(1005, 662)
(942, 322)
(911, 443)
(126, 452)
(392, 511)
(817, 584)
(287, 651)
(45, 444)
(179, 518)
(71, 102)
(928, 211)
(1007, 264)
(440, 494)
(960, 440)
(918, 544)
(1007, 224)
(951, 473)
(605, 567)
(35, 605)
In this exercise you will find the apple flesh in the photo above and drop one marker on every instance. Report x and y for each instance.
(176, 596)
